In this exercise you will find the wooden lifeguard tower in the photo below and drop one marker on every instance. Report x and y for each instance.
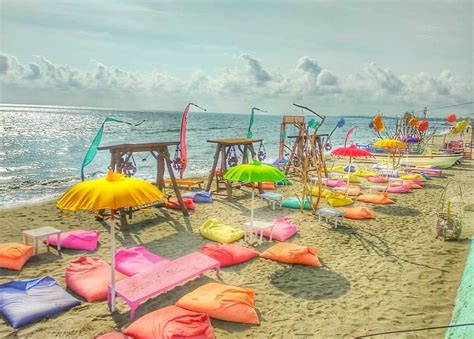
(224, 150)
(121, 155)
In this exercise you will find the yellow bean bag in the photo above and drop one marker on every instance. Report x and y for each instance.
(315, 192)
(13, 256)
(338, 199)
(352, 179)
(412, 177)
(337, 169)
(222, 302)
(363, 173)
(213, 229)
(293, 254)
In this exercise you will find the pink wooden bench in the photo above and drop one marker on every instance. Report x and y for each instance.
(430, 171)
(162, 277)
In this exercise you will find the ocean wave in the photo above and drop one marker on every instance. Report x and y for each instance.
(22, 184)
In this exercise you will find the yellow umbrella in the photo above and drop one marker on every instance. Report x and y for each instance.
(389, 144)
(113, 192)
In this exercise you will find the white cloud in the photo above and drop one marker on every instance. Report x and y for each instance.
(251, 81)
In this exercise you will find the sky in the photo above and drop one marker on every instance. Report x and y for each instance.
(337, 57)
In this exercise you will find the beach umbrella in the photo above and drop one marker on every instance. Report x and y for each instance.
(451, 118)
(351, 152)
(253, 172)
(390, 144)
(113, 192)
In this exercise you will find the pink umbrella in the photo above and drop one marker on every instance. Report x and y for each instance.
(352, 152)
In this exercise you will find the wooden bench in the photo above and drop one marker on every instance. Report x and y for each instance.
(163, 277)
(189, 183)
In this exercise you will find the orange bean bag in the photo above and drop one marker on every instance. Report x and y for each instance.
(353, 190)
(222, 302)
(293, 254)
(412, 184)
(228, 254)
(266, 185)
(174, 204)
(90, 277)
(171, 322)
(357, 213)
(379, 180)
(381, 199)
(13, 256)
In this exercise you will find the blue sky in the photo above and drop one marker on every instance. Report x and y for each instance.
(343, 57)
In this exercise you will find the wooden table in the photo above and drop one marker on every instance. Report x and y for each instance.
(121, 155)
(223, 149)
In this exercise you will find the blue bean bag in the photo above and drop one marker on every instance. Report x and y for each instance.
(202, 197)
(25, 301)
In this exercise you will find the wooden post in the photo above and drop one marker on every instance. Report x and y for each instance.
(173, 180)
(160, 167)
(213, 169)
(228, 185)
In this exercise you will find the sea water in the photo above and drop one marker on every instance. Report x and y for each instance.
(42, 147)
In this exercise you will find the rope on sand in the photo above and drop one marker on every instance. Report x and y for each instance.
(413, 330)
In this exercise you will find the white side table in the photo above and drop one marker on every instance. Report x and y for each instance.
(40, 233)
(272, 198)
(330, 212)
(258, 227)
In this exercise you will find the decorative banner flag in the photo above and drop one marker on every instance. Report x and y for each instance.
(92, 151)
(351, 130)
(249, 132)
(183, 154)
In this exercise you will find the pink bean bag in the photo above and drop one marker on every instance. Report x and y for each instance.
(228, 254)
(77, 239)
(112, 335)
(133, 260)
(379, 180)
(412, 184)
(399, 189)
(283, 228)
(90, 277)
(335, 183)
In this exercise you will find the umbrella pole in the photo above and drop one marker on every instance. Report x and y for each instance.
(251, 210)
(112, 274)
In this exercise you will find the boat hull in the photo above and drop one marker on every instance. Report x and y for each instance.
(414, 160)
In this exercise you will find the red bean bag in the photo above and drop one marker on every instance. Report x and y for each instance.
(334, 183)
(77, 239)
(228, 254)
(293, 254)
(222, 302)
(378, 180)
(381, 199)
(188, 202)
(171, 322)
(357, 213)
(14, 256)
(413, 184)
(90, 277)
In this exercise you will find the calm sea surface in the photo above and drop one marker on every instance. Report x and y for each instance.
(42, 148)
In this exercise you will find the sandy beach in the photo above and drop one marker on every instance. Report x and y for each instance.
(378, 275)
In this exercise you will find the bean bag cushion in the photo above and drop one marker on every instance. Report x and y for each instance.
(171, 322)
(412, 176)
(228, 254)
(294, 202)
(213, 229)
(350, 168)
(426, 176)
(352, 179)
(284, 182)
(222, 302)
(293, 254)
(133, 260)
(202, 197)
(335, 183)
(112, 335)
(266, 185)
(353, 190)
(77, 239)
(412, 184)
(283, 228)
(378, 180)
(14, 256)
(357, 213)
(90, 277)
(315, 191)
(337, 169)
(399, 189)
(363, 173)
(376, 198)
(337, 199)
(188, 202)
(25, 301)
